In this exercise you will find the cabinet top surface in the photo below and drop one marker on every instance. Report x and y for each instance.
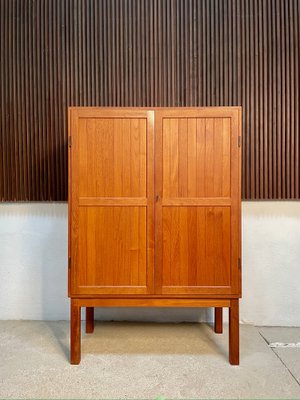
(148, 108)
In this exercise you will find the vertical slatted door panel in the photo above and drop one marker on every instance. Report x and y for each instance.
(198, 207)
(111, 174)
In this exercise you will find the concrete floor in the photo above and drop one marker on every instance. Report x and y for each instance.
(145, 361)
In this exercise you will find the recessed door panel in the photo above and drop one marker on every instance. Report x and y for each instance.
(196, 157)
(112, 242)
(196, 240)
(112, 157)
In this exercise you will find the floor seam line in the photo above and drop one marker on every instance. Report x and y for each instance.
(277, 355)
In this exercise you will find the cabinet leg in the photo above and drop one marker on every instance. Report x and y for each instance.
(234, 345)
(75, 332)
(89, 320)
(218, 320)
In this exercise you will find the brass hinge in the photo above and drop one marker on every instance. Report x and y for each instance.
(239, 263)
(69, 262)
(70, 141)
(239, 141)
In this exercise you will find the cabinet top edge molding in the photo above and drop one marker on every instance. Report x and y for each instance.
(149, 108)
(159, 112)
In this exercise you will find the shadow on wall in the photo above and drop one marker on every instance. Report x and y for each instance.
(273, 209)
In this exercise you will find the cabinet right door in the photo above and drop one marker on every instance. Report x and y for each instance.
(198, 200)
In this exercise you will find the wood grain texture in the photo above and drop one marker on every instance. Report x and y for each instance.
(112, 246)
(150, 302)
(218, 320)
(197, 238)
(140, 223)
(113, 157)
(196, 246)
(234, 332)
(89, 320)
(161, 296)
(59, 53)
(112, 236)
(75, 332)
(196, 160)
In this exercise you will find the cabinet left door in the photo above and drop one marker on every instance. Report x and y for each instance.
(111, 201)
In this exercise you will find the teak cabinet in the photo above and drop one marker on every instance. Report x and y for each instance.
(154, 212)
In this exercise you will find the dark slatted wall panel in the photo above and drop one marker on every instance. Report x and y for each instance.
(56, 53)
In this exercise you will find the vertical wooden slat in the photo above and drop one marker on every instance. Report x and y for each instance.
(282, 145)
(288, 99)
(59, 53)
(260, 150)
(265, 102)
(291, 53)
(256, 97)
(296, 112)
(274, 74)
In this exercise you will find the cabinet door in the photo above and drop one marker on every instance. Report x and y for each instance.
(111, 201)
(198, 203)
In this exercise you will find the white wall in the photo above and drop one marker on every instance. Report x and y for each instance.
(271, 263)
(33, 266)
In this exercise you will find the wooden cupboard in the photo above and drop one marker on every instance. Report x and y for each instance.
(154, 212)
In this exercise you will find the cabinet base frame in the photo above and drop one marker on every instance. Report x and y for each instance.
(89, 303)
